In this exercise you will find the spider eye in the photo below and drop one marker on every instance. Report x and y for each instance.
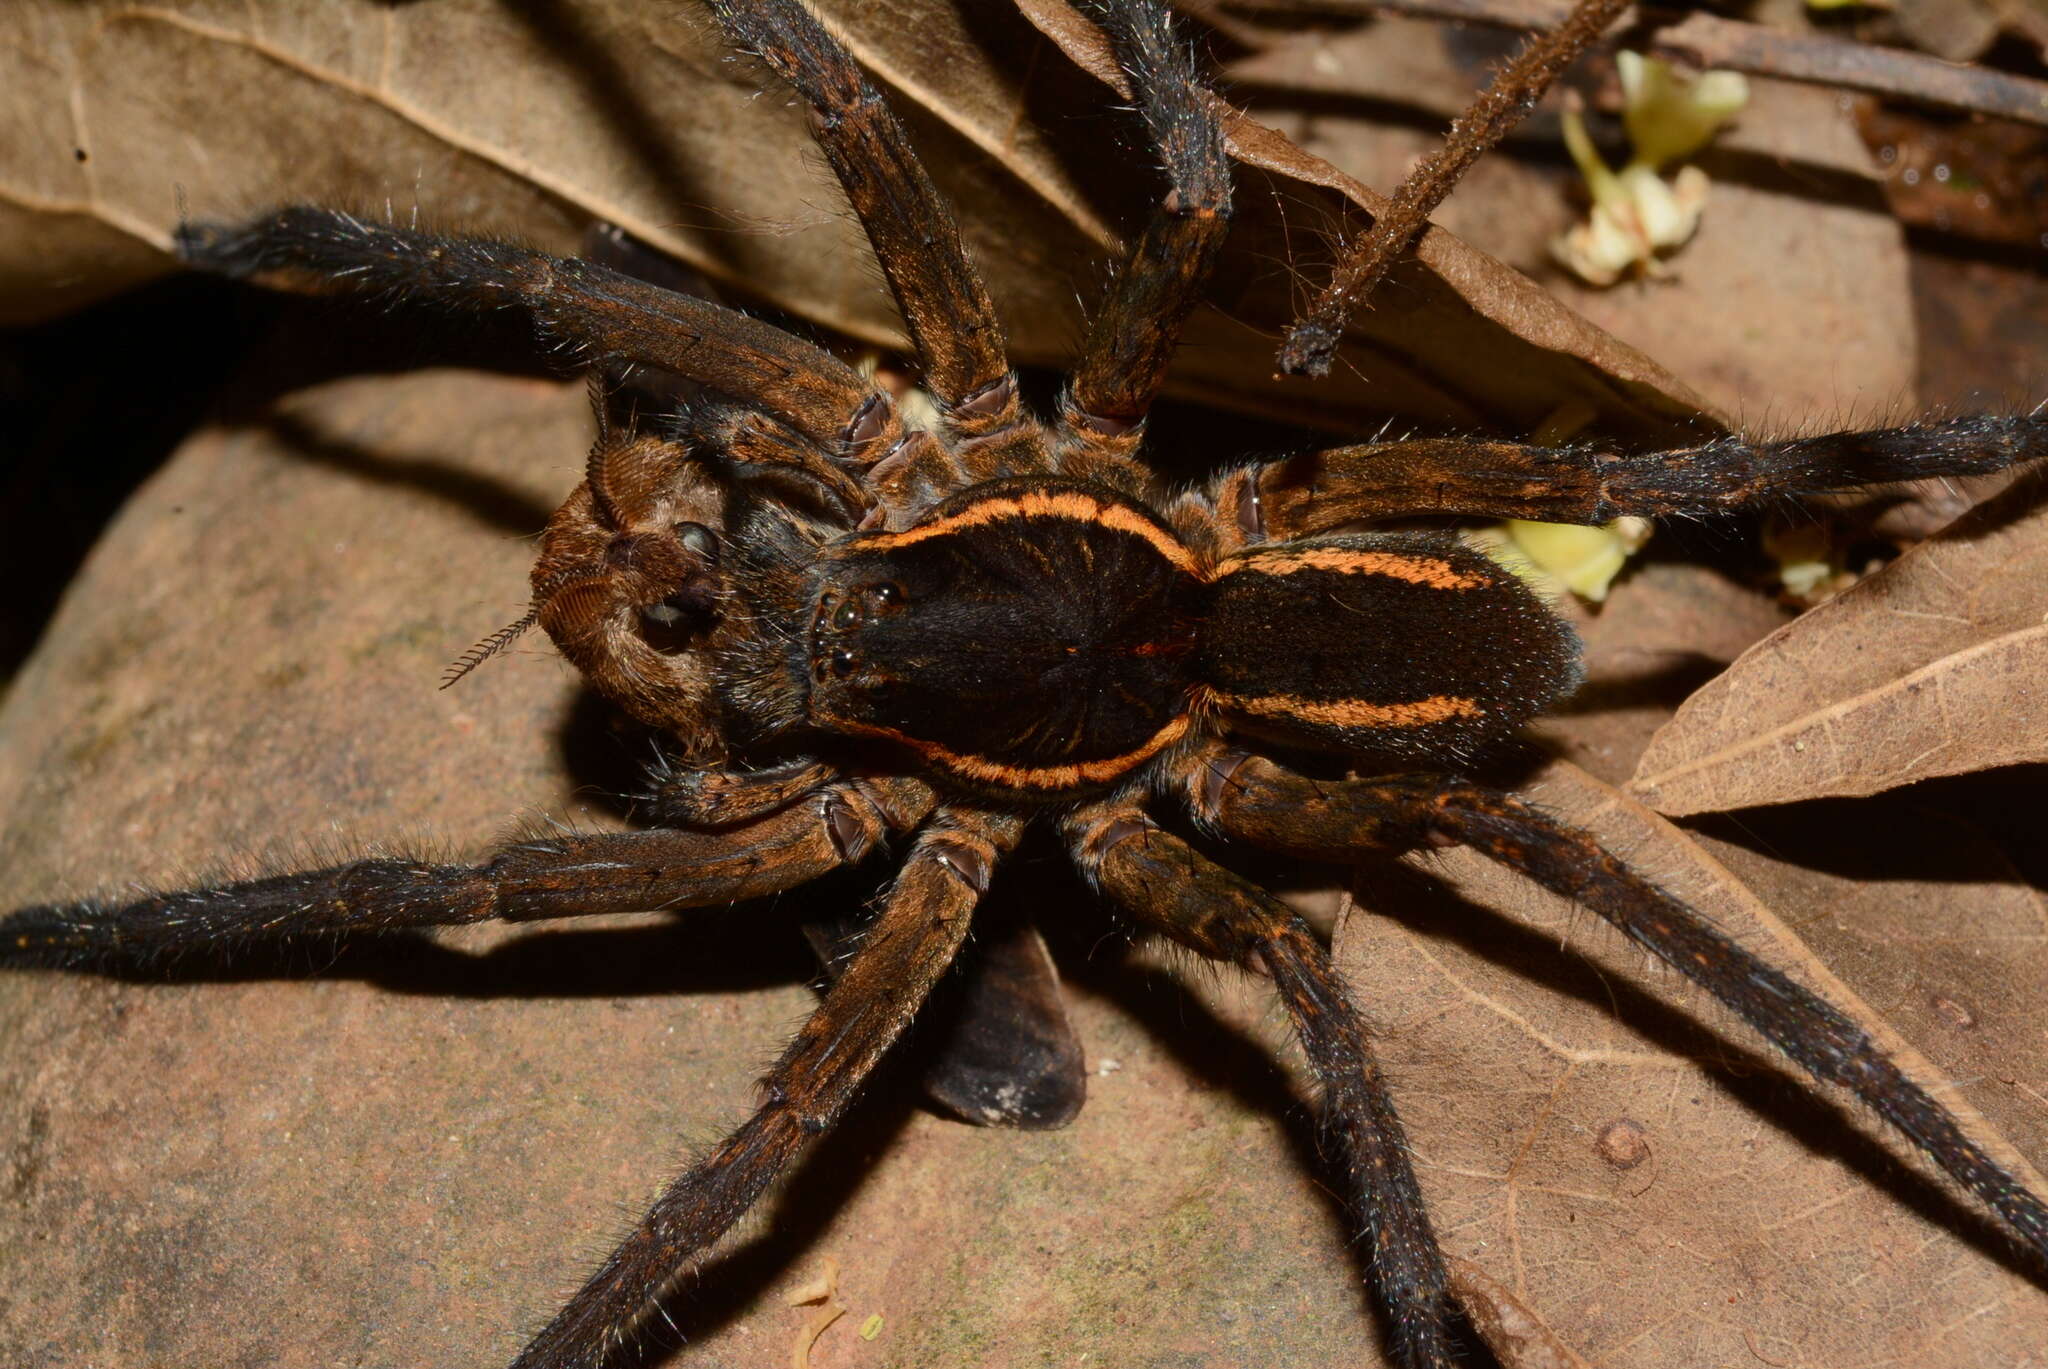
(888, 594)
(697, 538)
(847, 615)
(841, 662)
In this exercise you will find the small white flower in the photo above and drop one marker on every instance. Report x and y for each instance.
(1636, 212)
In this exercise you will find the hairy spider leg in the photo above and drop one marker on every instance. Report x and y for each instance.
(1246, 796)
(555, 877)
(599, 315)
(1166, 884)
(712, 797)
(1131, 341)
(1012, 1057)
(939, 293)
(753, 446)
(1004, 1052)
(920, 929)
(1593, 484)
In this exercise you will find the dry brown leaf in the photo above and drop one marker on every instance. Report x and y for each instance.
(1923, 899)
(247, 665)
(1933, 666)
(636, 115)
(1668, 628)
(627, 113)
(1417, 337)
(1644, 1198)
(1790, 308)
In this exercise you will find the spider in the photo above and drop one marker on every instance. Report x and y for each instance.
(854, 632)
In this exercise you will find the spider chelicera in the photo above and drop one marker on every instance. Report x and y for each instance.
(854, 632)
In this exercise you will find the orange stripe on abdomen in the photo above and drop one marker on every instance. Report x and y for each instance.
(1431, 571)
(1349, 713)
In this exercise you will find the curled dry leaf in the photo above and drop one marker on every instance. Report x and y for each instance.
(636, 115)
(1414, 336)
(1933, 666)
(1790, 308)
(1644, 1181)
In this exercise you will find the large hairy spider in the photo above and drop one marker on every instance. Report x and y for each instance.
(854, 632)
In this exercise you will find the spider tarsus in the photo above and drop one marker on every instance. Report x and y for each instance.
(57, 936)
(1309, 348)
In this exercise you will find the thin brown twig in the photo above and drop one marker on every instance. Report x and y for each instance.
(1708, 40)
(1312, 342)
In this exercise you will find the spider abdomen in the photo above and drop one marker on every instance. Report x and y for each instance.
(1034, 636)
(1402, 645)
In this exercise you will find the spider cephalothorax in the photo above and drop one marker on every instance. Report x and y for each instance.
(1030, 636)
(851, 629)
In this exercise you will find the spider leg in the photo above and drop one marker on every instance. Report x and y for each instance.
(1131, 341)
(1005, 1053)
(916, 239)
(704, 797)
(755, 446)
(921, 927)
(1590, 484)
(1252, 798)
(1166, 884)
(600, 314)
(553, 877)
